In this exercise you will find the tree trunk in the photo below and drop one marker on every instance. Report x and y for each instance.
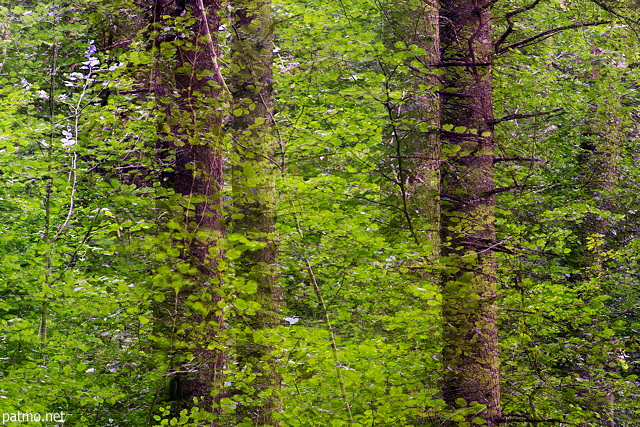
(254, 201)
(599, 175)
(470, 352)
(189, 90)
(415, 119)
(413, 162)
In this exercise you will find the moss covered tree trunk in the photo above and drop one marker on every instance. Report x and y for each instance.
(253, 185)
(470, 335)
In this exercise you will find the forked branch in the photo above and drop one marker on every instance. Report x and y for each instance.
(546, 34)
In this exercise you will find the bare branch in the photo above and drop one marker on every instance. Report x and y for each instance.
(522, 9)
(525, 116)
(131, 91)
(612, 11)
(509, 16)
(119, 44)
(500, 190)
(209, 40)
(517, 159)
(546, 34)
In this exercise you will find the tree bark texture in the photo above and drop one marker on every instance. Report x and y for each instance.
(189, 89)
(253, 182)
(470, 335)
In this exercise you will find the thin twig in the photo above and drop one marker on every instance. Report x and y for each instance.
(74, 158)
(525, 116)
(334, 346)
(212, 49)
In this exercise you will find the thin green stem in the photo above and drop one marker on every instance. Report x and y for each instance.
(334, 346)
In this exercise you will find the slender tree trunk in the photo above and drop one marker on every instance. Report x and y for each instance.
(254, 200)
(600, 172)
(415, 119)
(605, 165)
(470, 353)
(190, 90)
(413, 162)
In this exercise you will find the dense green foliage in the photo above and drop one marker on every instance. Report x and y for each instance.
(94, 236)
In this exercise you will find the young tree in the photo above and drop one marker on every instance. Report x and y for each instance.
(600, 175)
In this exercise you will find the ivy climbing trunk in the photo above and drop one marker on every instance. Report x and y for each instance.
(253, 185)
(468, 239)
(190, 88)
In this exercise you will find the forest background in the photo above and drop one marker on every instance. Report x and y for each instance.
(304, 213)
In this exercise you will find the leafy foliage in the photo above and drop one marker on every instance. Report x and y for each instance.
(93, 238)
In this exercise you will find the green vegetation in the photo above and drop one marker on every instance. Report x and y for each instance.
(303, 213)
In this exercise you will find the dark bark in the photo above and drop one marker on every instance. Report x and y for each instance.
(470, 352)
(189, 87)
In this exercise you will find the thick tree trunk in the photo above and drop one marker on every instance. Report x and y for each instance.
(470, 353)
(190, 91)
(254, 201)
